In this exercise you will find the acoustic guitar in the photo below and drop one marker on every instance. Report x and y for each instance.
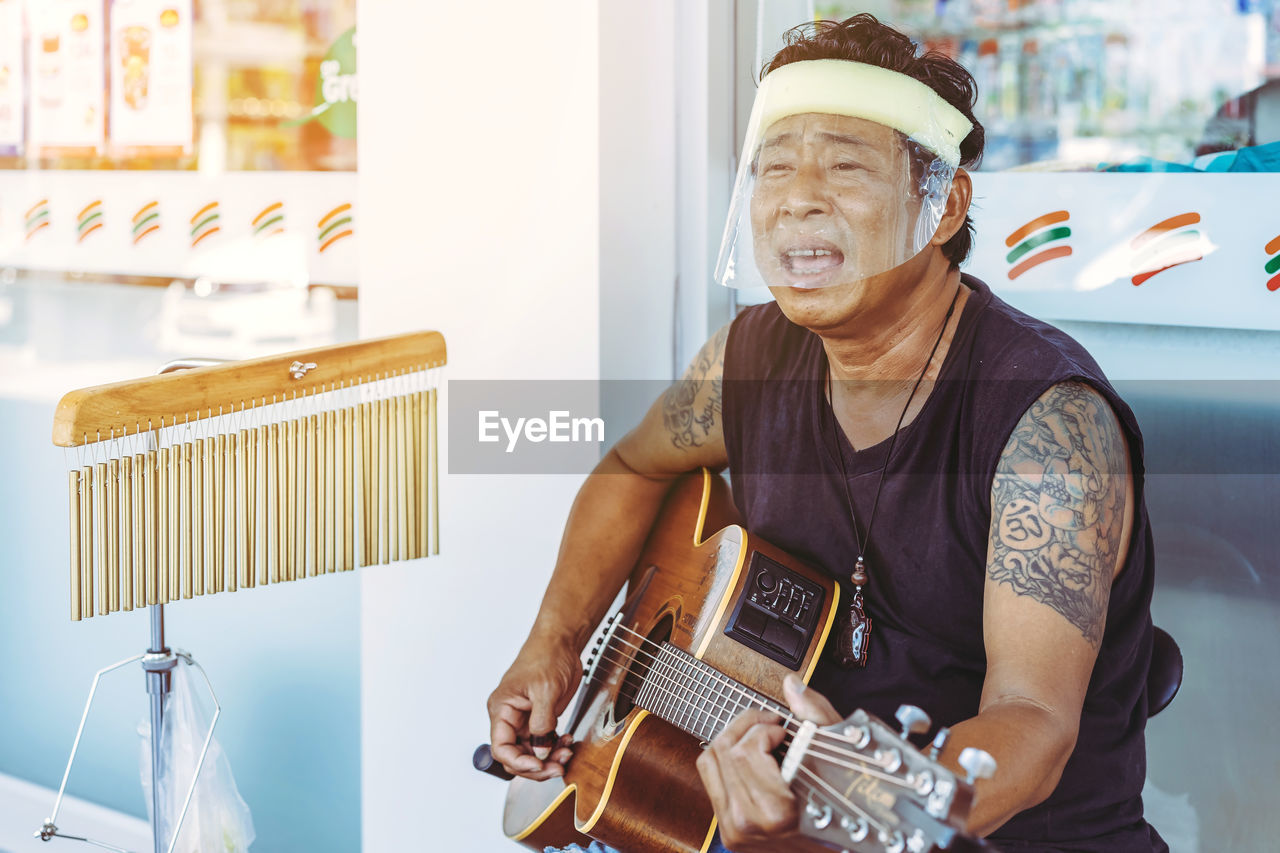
(712, 624)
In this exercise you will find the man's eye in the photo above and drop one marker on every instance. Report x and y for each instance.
(846, 166)
(777, 167)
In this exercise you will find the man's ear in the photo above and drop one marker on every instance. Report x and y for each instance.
(957, 208)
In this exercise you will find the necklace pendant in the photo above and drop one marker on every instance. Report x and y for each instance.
(853, 635)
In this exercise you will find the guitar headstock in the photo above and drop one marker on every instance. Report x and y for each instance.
(866, 789)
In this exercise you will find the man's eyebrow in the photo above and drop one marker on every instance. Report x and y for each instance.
(780, 139)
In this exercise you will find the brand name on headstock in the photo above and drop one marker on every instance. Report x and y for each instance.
(874, 794)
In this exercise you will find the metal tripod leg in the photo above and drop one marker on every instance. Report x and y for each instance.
(158, 662)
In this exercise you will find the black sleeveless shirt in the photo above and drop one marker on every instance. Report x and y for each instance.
(927, 552)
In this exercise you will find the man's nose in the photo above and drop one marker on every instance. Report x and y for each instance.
(806, 193)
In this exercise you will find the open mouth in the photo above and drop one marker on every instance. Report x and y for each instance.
(810, 263)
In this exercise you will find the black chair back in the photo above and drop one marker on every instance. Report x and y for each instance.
(1165, 675)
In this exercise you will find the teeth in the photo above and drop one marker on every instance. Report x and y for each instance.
(808, 253)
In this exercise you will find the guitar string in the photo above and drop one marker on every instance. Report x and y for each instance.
(832, 757)
(751, 697)
(732, 685)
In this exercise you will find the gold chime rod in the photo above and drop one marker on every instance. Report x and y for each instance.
(112, 535)
(348, 476)
(197, 466)
(402, 477)
(384, 482)
(125, 503)
(73, 494)
(175, 523)
(138, 494)
(150, 534)
(420, 431)
(412, 413)
(86, 541)
(275, 500)
(242, 509)
(330, 442)
(299, 568)
(262, 538)
(209, 498)
(435, 475)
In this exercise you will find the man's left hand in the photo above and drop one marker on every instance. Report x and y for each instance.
(755, 808)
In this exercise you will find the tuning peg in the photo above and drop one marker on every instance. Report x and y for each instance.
(820, 815)
(912, 719)
(858, 828)
(939, 742)
(978, 763)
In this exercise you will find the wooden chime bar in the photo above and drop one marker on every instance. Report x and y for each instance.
(251, 473)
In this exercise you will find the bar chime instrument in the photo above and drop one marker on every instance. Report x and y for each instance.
(243, 474)
(217, 477)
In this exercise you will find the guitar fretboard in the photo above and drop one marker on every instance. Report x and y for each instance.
(693, 697)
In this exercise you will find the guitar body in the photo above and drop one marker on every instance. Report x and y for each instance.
(632, 782)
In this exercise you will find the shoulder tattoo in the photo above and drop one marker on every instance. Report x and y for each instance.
(691, 406)
(1058, 504)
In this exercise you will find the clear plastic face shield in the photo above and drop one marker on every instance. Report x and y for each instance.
(844, 175)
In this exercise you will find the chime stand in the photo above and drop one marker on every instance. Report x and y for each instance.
(158, 663)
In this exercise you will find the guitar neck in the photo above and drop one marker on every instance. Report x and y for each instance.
(693, 697)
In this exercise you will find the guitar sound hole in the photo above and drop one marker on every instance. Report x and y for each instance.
(639, 668)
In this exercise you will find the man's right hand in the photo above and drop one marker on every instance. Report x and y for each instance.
(528, 700)
(605, 534)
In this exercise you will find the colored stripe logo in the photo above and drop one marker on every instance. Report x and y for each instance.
(270, 221)
(1028, 242)
(37, 217)
(335, 225)
(1166, 245)
(1273, 265)
(88, 220)
(146, 221)
(204, 223)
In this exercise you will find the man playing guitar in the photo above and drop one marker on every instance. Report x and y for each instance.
(965, 471)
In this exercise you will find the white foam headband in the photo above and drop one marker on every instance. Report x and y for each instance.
(858, 90)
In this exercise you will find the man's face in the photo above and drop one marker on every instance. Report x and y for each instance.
(833, 201)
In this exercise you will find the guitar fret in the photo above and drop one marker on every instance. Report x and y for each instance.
(699, 684)
(700, 695)
(692, 696)
(690, 724)
(713, 722)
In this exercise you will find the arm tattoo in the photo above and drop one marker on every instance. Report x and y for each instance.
(691, 406)
(1058, 504)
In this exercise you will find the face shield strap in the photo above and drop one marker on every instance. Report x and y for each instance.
(858, 90)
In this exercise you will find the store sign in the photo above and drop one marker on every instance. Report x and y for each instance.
(1177, 249)
(150, 71)
(66, 60)
(337, 89)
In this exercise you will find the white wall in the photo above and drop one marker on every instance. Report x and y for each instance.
(479, 163)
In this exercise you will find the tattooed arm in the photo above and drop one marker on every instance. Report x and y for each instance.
(1061, 513)
(606, 530)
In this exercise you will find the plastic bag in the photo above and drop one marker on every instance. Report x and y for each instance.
(218, 819)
